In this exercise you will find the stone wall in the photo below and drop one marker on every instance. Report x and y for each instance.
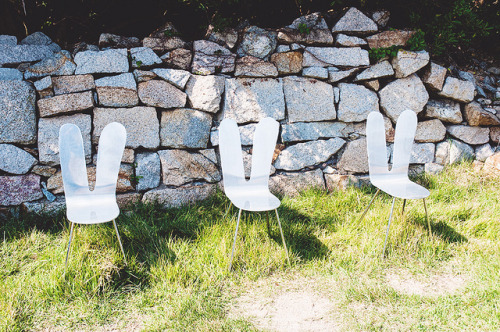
(314, 77)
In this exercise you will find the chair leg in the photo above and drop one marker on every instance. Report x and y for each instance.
(404, 204)
(282, 236)
(388, 226)
(366, 210)
(234, 242)
(268, 226)
(69, 245)
(427, 217)
(120, 242)
(228, 209)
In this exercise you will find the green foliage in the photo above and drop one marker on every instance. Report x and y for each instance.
(304, 29)
(415, 43)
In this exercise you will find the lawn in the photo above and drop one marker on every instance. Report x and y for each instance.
(177, 277)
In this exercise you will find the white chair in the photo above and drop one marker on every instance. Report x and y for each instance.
(82, 205)
(254, 194)
(394, 182)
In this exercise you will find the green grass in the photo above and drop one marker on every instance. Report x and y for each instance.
(177, 276)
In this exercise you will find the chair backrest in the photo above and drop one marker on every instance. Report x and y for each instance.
(264, 143)
(231, 157)
(109, 155)
(403, 141)
(375, 142)
(72, 157)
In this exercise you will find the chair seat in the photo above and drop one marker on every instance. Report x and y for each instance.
(92, 209)
(401, 188)
(256, 200)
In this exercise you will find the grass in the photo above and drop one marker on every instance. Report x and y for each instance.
(177, 276)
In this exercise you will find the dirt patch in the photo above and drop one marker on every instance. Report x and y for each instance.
(432, 285)
(279, 304)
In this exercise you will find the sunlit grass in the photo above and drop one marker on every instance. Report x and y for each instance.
(177, 276)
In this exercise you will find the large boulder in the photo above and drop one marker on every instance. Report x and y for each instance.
(444, 110)
(459, 90)
(335, 56)
(144, 57)
(292, 184)
(434, 76)
(181, 196)
(210, 58)
(117, 91)
(389, 38)
(430, 131)
(306, 154)
(422, 153)
(356, 102)
(181, 166)
(477, 116)
(15, 190)
(355, 158)
(308, 99)
(67, 103)
(161, 94)
(407, 62)
(308, 30)
(185, 128)
(379, 70)
(10, 74)
(251, 99)
(176, 77)
(17, 113)
(15, 54)
(108, 61)
(72, 84)
(402, 94)
(204, 92)
(57, 65)
(453, 151)
(250, 66)
(355, 22)
(148, 170)
(470, 135)
(15, 160)
(257, 42)
(287, 62)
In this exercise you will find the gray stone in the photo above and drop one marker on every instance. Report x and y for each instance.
(247, 164)
(311, 131)
(15, 190)
(470, 135)
(312, 153)
(251, 99)
(204, 92)
(458, 90)
(483, 152)
(17, 113)
(444, 110)
(379, 70)
(257, 42)
(389, 38)
(15, 160)
(453, 151)
(355, 158)
(381, 17)
(161, 94)
(10, 55)
(434, 76)
(148, 170)
(336, 94)
(163, 44)
(6, 40)
(48, 136)
(45, 207)
(308, 99)
(292, 184)
(71, 84)
(108, 61)
(432, 168)
(422, 153)
(144, 75)
(334, 56)
(341, 182)
(180, 167)
(44, 87)
(356, 102)
(477, 116)
(182, 196)
(66, 103)
(312, 21)
(117, 91)
(250, 66)
(185, 128)
(36, 38)
(210, 58)
(179, 58)
(430, 131)
(373, 85)
(349, 41)
(116, 41)
(140, 122)
(58, 65)
(227, 37)
(314, 37)
(402, 94)
(495, 134)
(315, 72)
(176, 77)
(10, 74)
(355, 22)
(407, 62)
(287, 62)
(144, 57)
(44, 170)
(126, 200)
(335, 75)
(282, 48)
(246, 135)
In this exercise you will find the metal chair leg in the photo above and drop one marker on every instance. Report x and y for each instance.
(120, 242)
(69, 245)
(403, 210)
(268, 226)
(427, 217)
(366, 210)
(282, 236)
(234, 242)
(388, 226)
